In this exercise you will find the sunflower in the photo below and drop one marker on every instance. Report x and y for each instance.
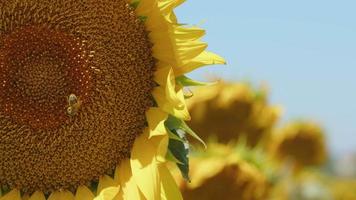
(226, 172)
(343, 188)
(229, 111)
(86, 89)
(301, 144)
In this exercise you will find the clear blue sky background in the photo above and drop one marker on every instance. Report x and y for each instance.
(305, 50)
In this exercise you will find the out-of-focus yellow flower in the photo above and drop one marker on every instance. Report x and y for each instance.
(227, 111)
(309, 185)
(301, 143)
(220, 173)
(343, 189)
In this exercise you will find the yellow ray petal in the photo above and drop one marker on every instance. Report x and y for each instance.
(170, 190)
(108, 193)
(166, 96)
(105, 182)
(184, 34)
(188, 50)
(168, 5)
(61, 195)
(145, 7)
(13, 195)
(205, 58)
(83, 193)
(129, 189)
(144, 167)
(37, 196)
(162, 148)
(155, 118)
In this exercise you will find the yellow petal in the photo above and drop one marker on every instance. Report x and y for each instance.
(108, 193)
(13, 195)
(169, 5)
(156, 118)
(205, 58)
(162, 148)
(145, 6)
(148, 181)
(129, 189)
(105, 182)
(166, 96)
(37, 196)
(61, 195)
(170, 190)
(178, 46)
(188, 33)
(83, 193)
(144, 167)
(189, 50)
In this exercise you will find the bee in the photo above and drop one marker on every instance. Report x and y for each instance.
(74, 104)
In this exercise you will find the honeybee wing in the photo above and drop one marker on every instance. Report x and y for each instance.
(72, 99)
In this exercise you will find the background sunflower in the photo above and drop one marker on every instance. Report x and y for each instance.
(230, 111)
(227, 172)
(300, 143)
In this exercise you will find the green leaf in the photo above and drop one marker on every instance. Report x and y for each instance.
(173, 136)
(185, 81)
(172, 158)
(180, 151)
(173, 123)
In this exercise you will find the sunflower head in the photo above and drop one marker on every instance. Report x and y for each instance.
(301, 143)
(229, 111)
(85, 89)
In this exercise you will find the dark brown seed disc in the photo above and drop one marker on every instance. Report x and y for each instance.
(97, 50)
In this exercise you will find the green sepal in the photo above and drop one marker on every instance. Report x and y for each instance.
(94, 186)
(180, 150)
(185, 81)
(142, 18)
(173, 123)
(134, 4)
(4, 190)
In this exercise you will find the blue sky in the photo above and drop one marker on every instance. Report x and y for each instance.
(305, 50)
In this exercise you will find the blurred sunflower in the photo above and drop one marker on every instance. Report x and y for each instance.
(309, 185)
(343, 189)
(229, 111)
(86, 88)
(301, 143)
(224, 172)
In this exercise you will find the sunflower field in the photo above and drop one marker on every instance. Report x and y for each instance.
(98, 101)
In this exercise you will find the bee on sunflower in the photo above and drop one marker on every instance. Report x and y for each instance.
(91, 94)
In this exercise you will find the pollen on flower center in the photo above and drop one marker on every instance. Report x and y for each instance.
(40, 67)
(54, 56)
